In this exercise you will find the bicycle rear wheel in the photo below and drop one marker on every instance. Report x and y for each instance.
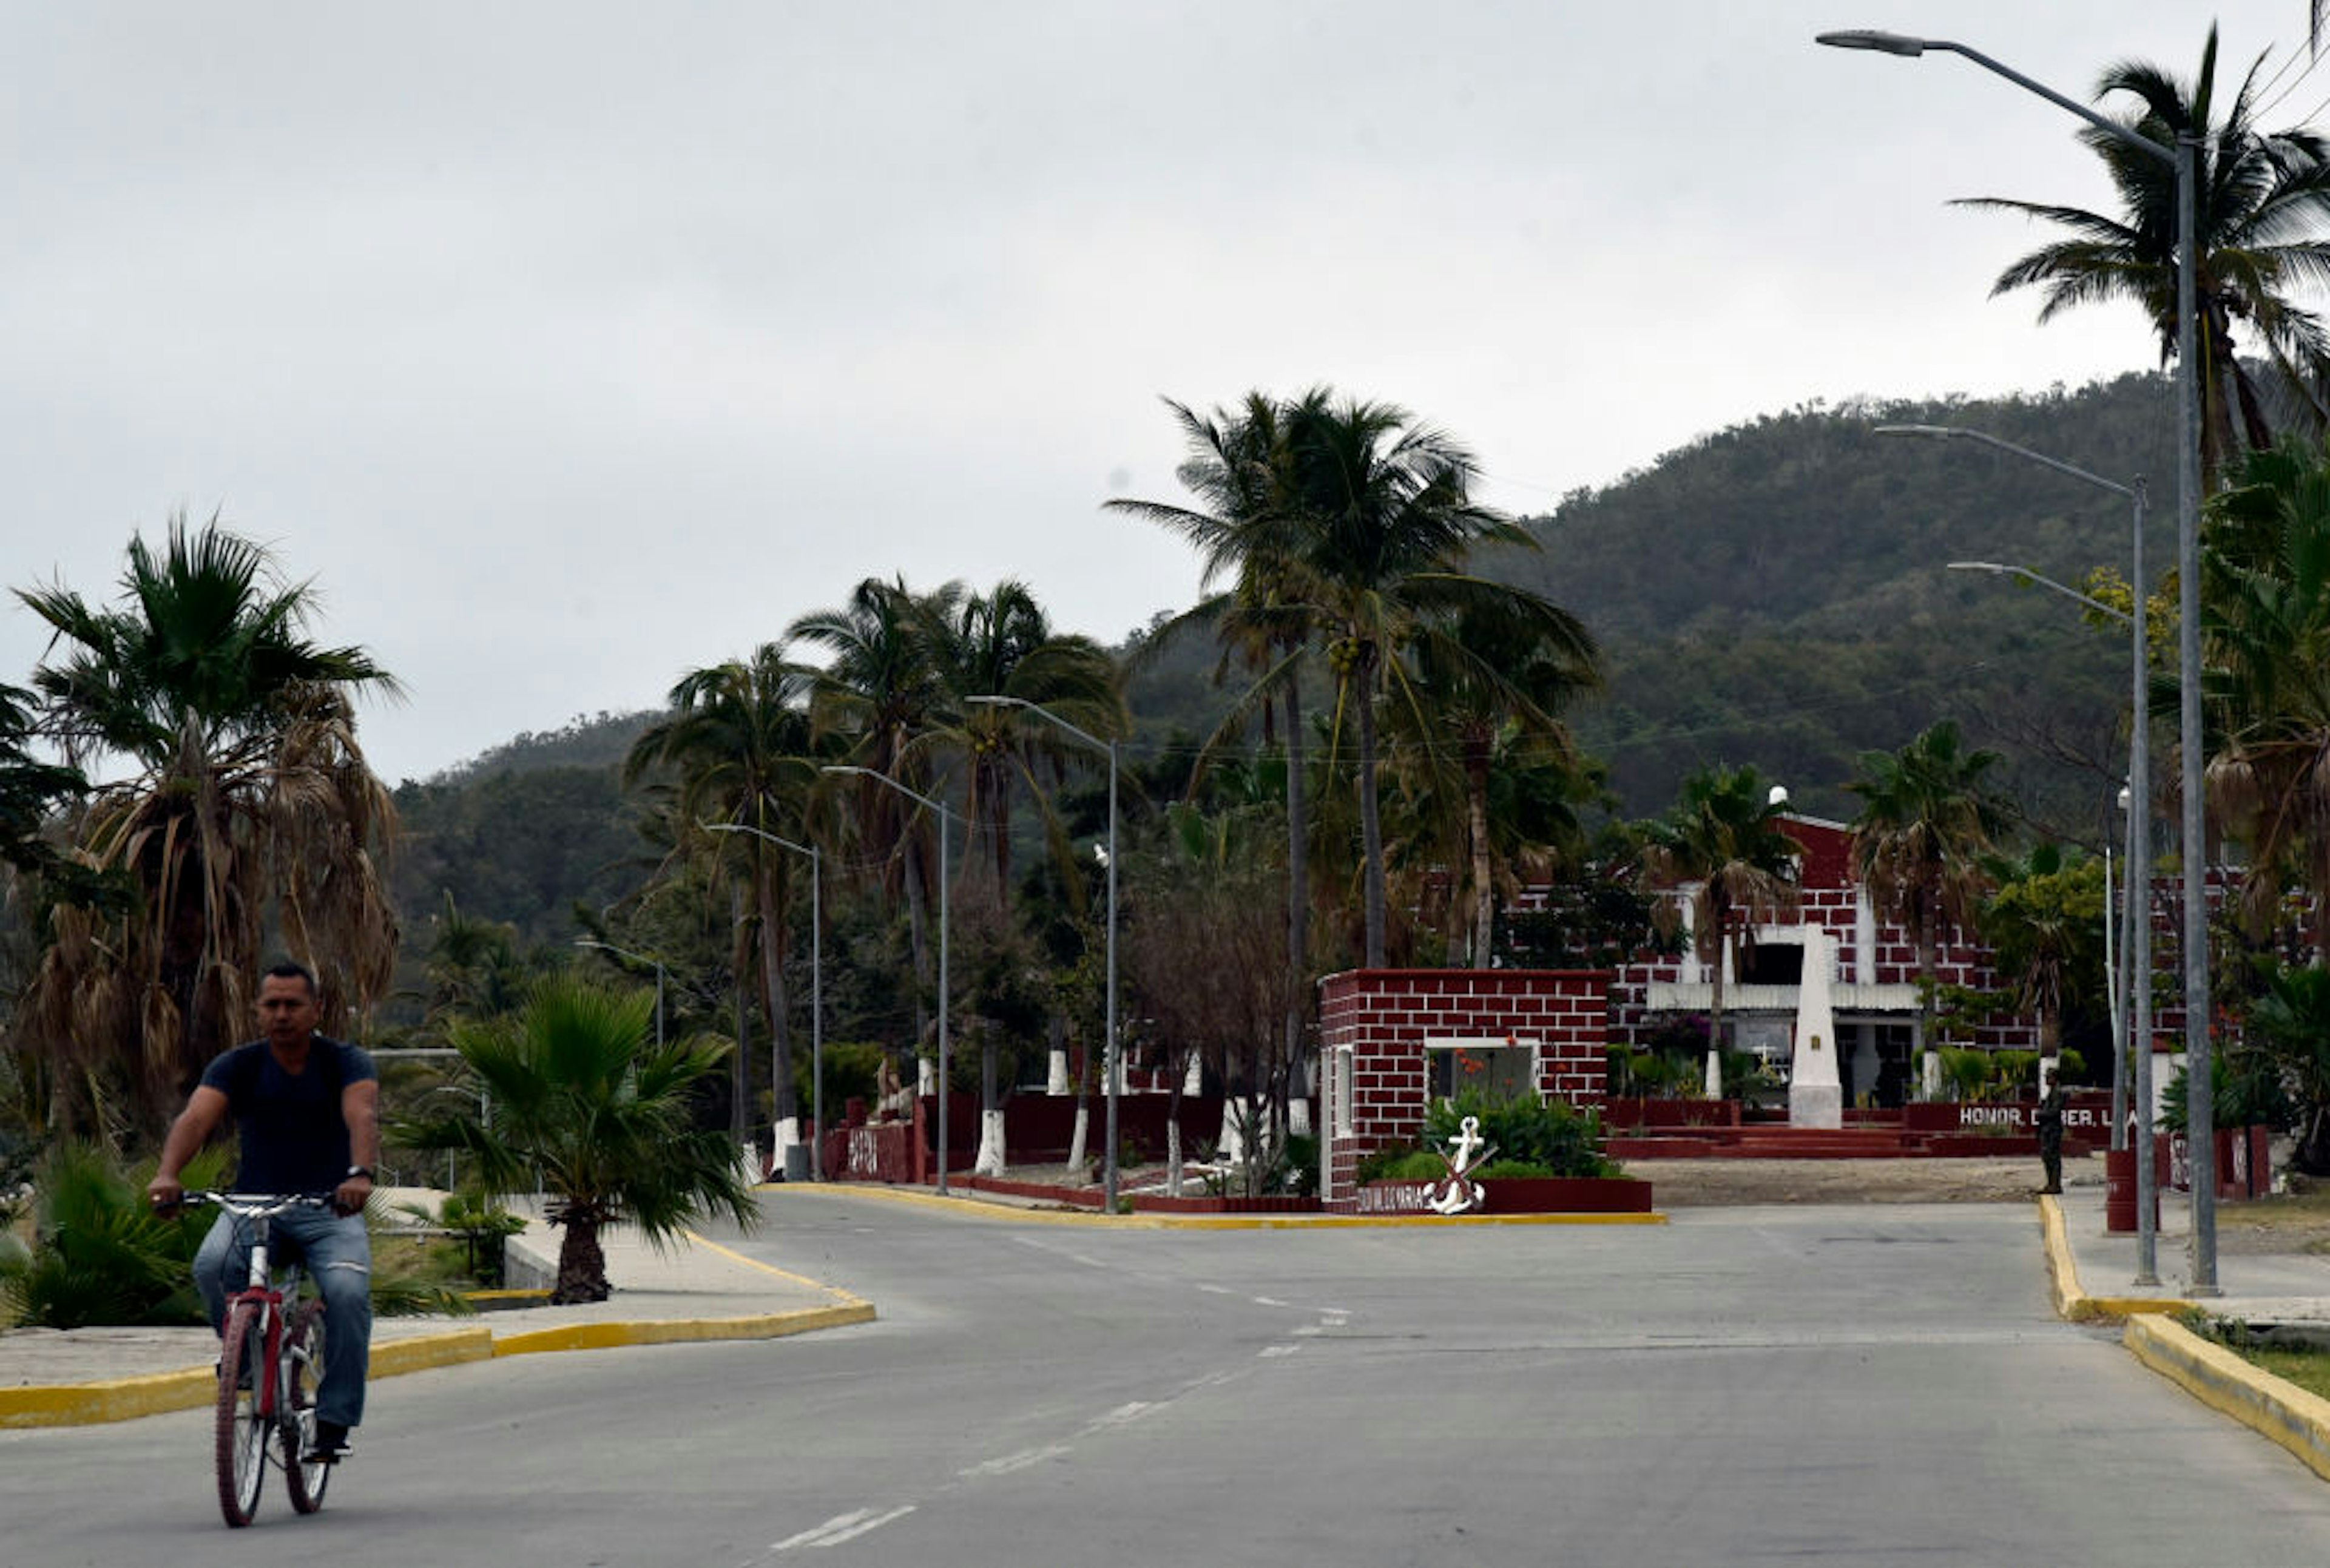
(242, 1430)
(303, 1359)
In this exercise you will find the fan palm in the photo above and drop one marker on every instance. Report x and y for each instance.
(1927, 819)
(2263, 212)
(1724, 836)
(584, 1100)
(252, 806)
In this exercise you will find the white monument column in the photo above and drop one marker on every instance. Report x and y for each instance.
(1815, 1092)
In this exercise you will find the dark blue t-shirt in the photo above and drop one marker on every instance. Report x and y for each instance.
(293, 1135)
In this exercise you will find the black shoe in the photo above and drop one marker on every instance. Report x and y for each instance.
(330, 1446)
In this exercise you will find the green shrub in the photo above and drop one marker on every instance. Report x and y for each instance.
(100, 1253)
(1553, 1136)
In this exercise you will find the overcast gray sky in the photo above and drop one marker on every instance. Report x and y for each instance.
(569, 346)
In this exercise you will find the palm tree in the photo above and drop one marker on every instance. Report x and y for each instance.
(250, 808)
(739, 743)
(2264, 595)
(584, 1100)
(1001, 644)
(2045, 924)
(1724, 835)
(874, 699)
(1385, 522)
(1485, 685)
(1241, 472)
(2263, 201)
(1927, 817)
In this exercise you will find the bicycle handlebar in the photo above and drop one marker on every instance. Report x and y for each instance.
(253, 1205)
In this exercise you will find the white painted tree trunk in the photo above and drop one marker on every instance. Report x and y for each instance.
(1236, 1115)
(990, 1144)
(1173, 1158)
(788, 1137)
(1298, 1118)
(1055, 1080)
(926, 1075)
(1077, 1140)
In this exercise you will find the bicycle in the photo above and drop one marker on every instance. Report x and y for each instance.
(270, 1359)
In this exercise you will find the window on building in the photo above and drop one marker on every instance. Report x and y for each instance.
(1775, 963)
(1500, 1067)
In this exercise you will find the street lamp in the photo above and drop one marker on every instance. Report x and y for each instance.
(635, 958)
(2184, 162)
(1108, 1052)
(815, 992)
(2138, 891)
(945, 816)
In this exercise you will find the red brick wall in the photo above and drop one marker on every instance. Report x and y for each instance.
(1385, 1017)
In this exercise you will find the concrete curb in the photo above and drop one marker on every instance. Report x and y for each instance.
(979, 1205)
(2279, 1410)
(130, 1398)
(2275, 1408)
(2074, 1305)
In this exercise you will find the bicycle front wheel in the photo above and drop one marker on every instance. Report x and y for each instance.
(241, 1429)
(303, 1364)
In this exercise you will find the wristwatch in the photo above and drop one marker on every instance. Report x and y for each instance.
(356, 1171)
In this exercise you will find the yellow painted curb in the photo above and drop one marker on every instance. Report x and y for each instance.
(119, 1399)
(2074, 1305)
(2278, 1408)
(970, 1201)
(679, 1331)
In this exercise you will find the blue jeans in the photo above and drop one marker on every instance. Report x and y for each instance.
(339, 1257)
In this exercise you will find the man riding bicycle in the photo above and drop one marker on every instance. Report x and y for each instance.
(306, 1111)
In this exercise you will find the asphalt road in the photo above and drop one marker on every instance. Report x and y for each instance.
(1857, 1384)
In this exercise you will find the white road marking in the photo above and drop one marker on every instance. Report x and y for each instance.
(842, 1527)
(1122, 1415)
(1018, 1461)
(1279, 1350)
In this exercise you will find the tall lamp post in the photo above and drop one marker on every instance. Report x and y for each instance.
(635, 958)
(1108, 1052)
(2138, 891)
(2184, 163)
(944, 817)
(816, 991)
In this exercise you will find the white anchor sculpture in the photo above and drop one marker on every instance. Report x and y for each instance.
(1460, 1193)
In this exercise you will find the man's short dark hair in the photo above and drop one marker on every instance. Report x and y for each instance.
(288, 970)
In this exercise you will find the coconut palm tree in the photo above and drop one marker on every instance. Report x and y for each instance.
(582, 1099)
(1001, 644)
(1927, 820)
(2265, 594)
(739, 746)
(250, 810)
(1488, 683)
(1385, 522)
(1240, 471)
(1724, 836)
(2263, 204)
(877, 695)
(2044, 923)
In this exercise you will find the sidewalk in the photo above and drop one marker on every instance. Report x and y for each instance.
(698, 1291)
(2259, 1288)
